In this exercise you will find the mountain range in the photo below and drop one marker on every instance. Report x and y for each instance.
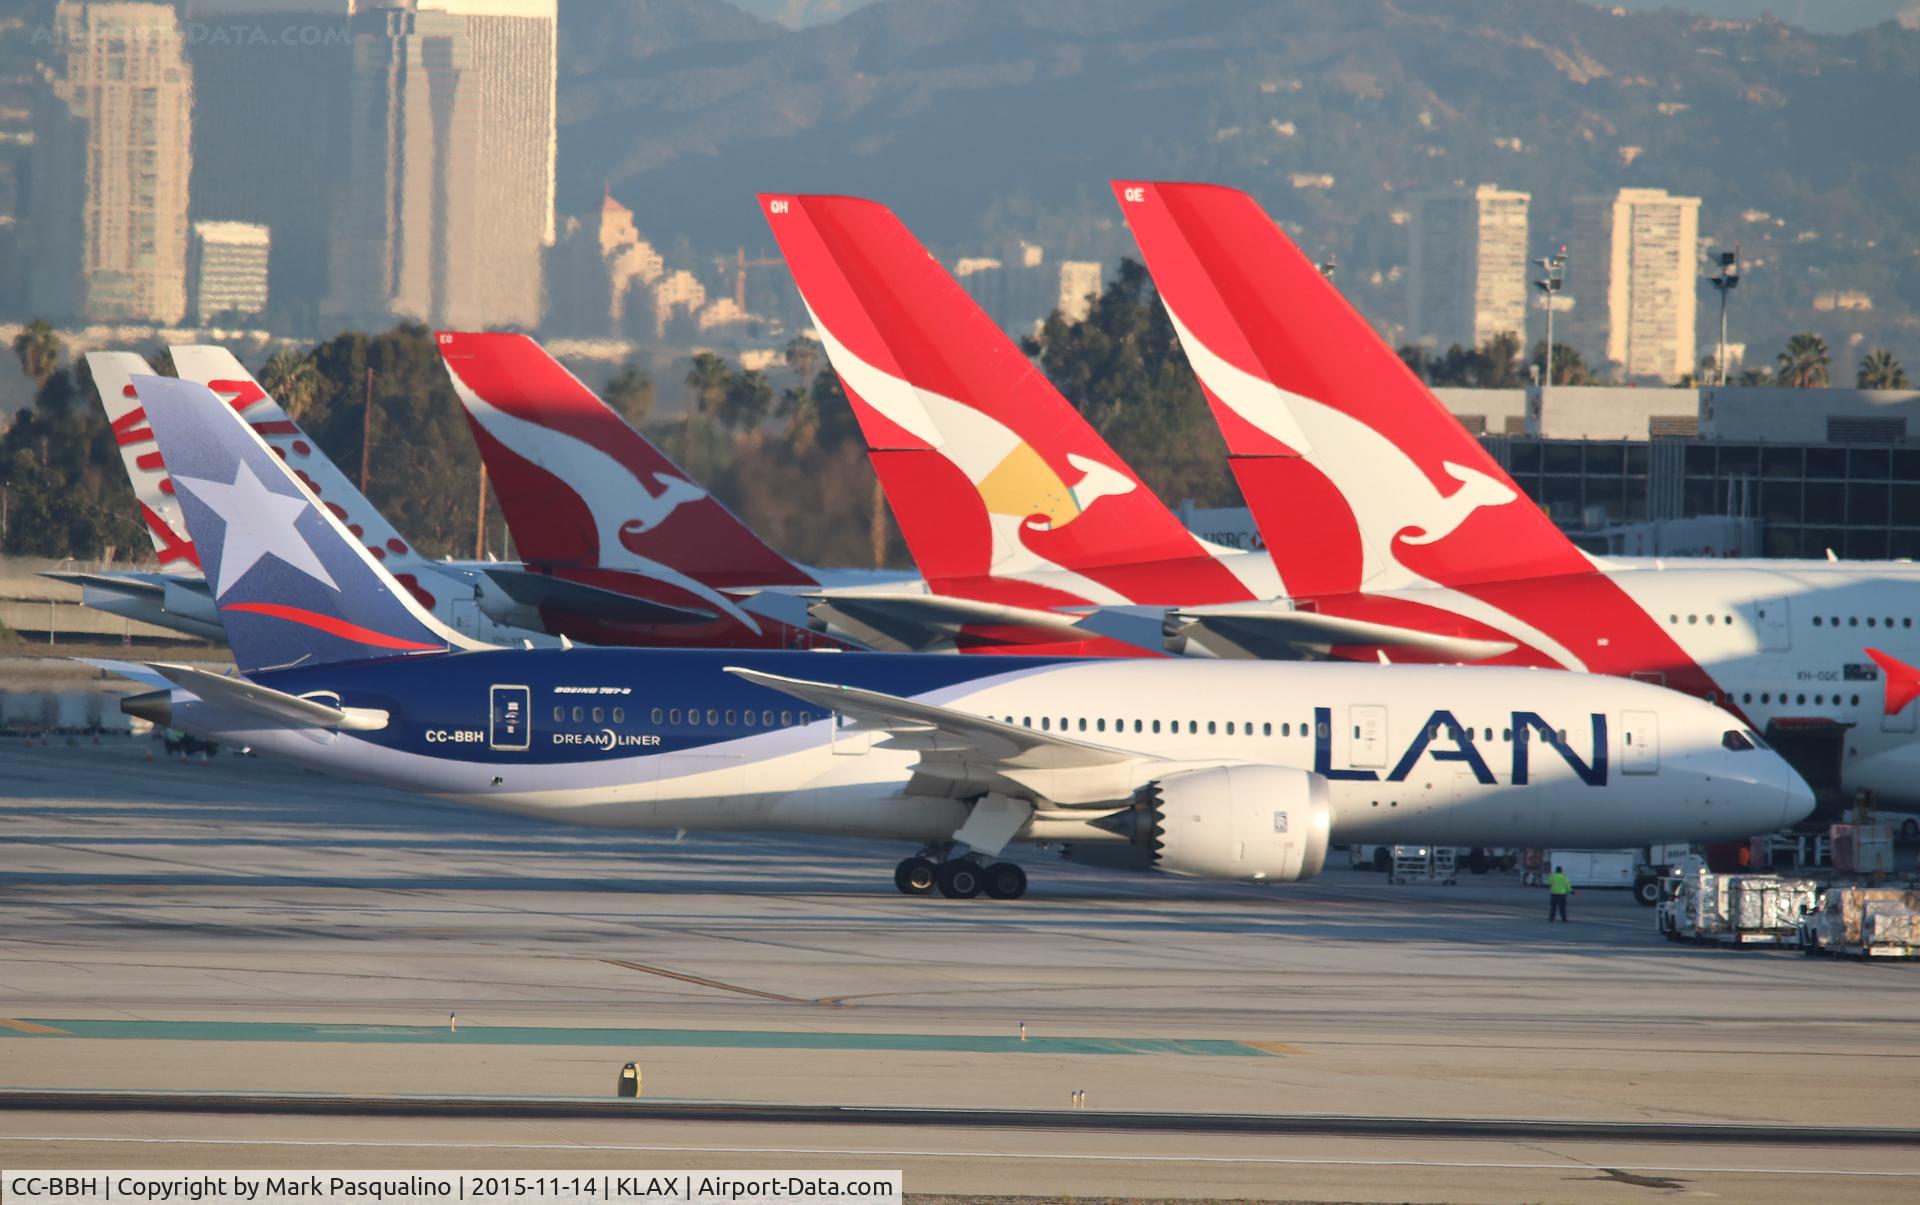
(982, 121)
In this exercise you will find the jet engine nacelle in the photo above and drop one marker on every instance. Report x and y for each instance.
(1258, 823)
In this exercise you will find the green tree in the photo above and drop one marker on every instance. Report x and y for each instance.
(1804, 362)
(708, 378)
(1569, 367)
(1122, 367)
(802, 356)
(39, 350)
(630, 391)
(1879, 370)
(747, 401)
(67, 494)
(424, 466)
(290, 378)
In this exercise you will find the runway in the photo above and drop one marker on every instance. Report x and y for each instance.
(249, 931)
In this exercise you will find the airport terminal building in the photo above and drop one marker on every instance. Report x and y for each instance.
(1677, 472)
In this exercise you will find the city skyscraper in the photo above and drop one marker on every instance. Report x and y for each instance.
(112, 153)
(1467, 276)
(446, 208)
(269, 132)
(1631, 274)
(227, 269)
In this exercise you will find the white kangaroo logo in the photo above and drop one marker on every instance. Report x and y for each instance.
(1392, 498)
(1476, 490)
(1002, 466)
(607, 487)
(675, 492)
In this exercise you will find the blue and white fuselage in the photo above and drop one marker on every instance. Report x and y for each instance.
(669, 739)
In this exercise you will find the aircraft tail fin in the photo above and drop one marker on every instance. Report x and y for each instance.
(1903, 680)
(292, 584)
(581, 487)
(113, 373)
(221, 371)
(1357, 475)
(1008, 476)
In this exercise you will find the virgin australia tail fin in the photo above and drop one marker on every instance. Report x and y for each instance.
(292, 584)
(113, 373)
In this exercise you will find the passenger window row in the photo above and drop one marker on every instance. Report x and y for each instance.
(1831, 621)
(1767, 696)
(712, 717)
(580, 715)
(1099, 724)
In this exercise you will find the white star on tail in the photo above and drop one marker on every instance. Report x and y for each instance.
(259, 523)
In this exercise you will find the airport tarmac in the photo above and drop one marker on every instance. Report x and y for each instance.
(244, 927)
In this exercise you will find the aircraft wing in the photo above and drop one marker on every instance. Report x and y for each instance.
(962, 753)
(276, 705)
(1280, 634)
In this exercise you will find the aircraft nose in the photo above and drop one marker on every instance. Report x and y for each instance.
(1799, 797)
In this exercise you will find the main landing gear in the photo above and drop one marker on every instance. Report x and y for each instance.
(960, 878)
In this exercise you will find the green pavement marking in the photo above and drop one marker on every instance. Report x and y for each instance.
(742, 1039)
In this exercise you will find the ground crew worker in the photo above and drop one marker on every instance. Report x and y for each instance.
(1558, 889)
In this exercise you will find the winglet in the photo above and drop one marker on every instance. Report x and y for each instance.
(1902, 680)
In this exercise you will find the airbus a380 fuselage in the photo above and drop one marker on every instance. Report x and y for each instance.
(669, 739)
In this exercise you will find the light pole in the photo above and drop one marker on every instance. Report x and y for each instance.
(1553, 278)
(1725, 283)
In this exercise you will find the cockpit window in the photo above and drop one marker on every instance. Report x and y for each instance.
(1758, 741)
(1736, 740)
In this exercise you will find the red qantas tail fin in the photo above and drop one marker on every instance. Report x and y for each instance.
(1358, 477)
(1903, 680)
(581, 487)
(990, 471)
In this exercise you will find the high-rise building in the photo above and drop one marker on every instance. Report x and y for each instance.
(269, 132)
(1079, 285)
(1467, 275)
(1631, 273)
(446, 208)
(227, 269)
(112, 153)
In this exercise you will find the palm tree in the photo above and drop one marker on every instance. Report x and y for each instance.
(1879, 370)
(803, 357)
(290, 378)
(708, 378)
(39, 349)
(630, 391)
(1803, 365)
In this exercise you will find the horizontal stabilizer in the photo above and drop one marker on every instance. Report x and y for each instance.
(973, 752)
(119, 583)
(531, 589)
(914, 622)
(1280, 634)
(136, 671)
(294, 710)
